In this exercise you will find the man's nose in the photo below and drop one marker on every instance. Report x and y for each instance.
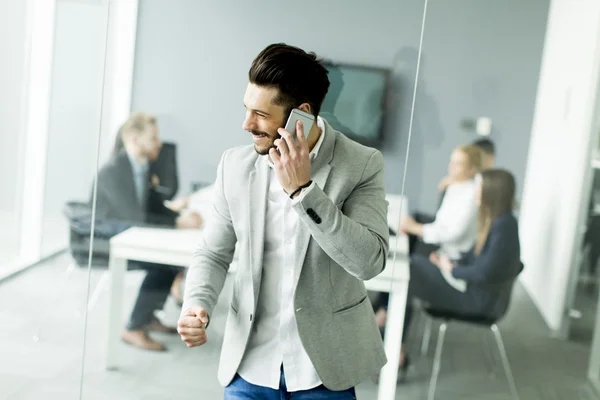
(249, 123)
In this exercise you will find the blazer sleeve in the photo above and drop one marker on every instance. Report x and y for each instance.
(206, 275)
(493, 264)
(357, 238)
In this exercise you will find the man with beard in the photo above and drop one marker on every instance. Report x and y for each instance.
(310, 215)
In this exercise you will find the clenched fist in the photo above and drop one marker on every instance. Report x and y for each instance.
(191, 326)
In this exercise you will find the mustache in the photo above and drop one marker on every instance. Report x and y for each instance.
(267, 134)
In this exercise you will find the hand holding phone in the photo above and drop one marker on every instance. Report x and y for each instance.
(291, 157)
(299, 115)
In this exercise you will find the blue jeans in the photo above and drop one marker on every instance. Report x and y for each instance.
(239, 389)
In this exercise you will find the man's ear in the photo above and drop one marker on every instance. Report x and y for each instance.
(305, 107)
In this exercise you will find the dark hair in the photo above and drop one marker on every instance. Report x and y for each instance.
(486, 145)
(298, 76)
(497, 198)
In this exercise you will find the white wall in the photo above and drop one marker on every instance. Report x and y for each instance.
(75, 103)
(559, 153)
(192, 60)
(13, 36)
(87, 101)
(14, 46)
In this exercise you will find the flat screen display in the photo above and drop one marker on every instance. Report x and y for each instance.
(355, 102)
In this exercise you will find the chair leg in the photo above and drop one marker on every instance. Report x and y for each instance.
(437, 361)
(505, 363)
(426, 335)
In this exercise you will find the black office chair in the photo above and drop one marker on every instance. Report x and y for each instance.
(79, 215)
(482, 321)
(165, 167)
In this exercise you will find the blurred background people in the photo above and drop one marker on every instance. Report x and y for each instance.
(488, 160)
(480, 282)
(127, 192)
(454, 226)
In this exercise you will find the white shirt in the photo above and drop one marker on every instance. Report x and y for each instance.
(274, 339)
(455, 225)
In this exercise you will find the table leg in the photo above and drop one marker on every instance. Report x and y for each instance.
(393, 341)
(117, 268)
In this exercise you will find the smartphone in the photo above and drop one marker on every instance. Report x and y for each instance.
(299, 115)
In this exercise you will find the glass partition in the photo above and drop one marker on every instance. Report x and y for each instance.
(497, 119)
(50, 86)
(189, 91)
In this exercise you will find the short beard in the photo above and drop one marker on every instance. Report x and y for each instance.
(264, 152)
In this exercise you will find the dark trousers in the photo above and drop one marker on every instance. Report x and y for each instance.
(153, 292)
(428, 284)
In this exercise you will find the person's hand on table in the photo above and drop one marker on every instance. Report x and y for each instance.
(445, 264)
(411, 226)
(434, 257)
(155, 180)
(192, 326)
(189, 220)
(177, 205)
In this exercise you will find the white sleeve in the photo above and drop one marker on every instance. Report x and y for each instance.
(456, 216)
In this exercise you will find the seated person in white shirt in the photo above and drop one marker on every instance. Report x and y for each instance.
(489, 159)
(455, 226)
(486, 272)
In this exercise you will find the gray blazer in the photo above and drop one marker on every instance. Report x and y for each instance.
(342, 240)
(117, 199)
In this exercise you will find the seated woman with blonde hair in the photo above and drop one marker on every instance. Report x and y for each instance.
(455, 224)
(479, 283)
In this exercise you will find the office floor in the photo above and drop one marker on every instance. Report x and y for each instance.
(42, 302)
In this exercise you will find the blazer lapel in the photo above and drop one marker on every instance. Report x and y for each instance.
(258, 184)
(303, 234)
(320, 170)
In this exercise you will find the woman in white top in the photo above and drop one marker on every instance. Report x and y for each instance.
(454, 229)
(455, 225)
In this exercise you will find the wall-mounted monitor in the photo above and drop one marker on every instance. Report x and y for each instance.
(356, 101)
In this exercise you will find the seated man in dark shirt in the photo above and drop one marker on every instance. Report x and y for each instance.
(127, 193)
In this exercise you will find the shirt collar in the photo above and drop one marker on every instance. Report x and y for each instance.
(136, 166)
(315, 151)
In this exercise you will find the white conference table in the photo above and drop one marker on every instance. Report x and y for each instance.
(176, 247)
